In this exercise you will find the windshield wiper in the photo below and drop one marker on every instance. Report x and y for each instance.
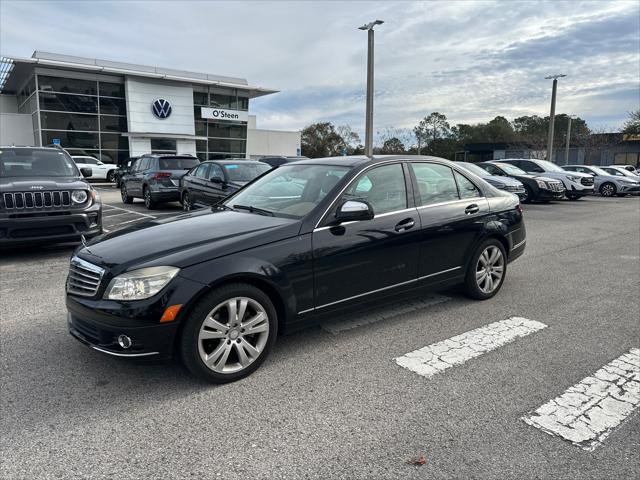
(253, 209)
(222, 206)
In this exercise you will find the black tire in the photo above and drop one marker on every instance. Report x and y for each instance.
(111, 175)
(189, 343)
(621, 194)
(529, 198)
(124, 195)
(187, 206)
(148, 199)
(471, 287)
(608, 189)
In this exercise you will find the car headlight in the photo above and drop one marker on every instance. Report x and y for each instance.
(573, 178)
(541, 183)
(79, 196)
(140, 284)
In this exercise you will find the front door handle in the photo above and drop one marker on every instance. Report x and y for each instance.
(405, 225)
(471, 209)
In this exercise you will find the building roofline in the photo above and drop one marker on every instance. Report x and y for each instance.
(95, 65)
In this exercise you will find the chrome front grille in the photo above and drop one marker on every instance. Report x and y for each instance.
(84, 278)
(556, 186)
(36, 200)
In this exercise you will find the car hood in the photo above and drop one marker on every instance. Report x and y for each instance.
(23, 184)
(497, 180)
(186, 239)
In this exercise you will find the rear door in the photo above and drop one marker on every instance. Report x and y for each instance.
(134, 179)
(451, 209)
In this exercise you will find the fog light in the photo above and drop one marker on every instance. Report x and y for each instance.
(124, 341)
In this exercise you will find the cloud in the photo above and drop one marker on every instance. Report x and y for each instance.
(470, 60)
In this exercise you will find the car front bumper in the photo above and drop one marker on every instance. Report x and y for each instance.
(21, 231)
(629, 189)
(546, 194)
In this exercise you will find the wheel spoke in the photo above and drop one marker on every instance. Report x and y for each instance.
(214, 324)
(213, 357)
(253, 351)
(209, 335)
(493, 255)
(498, 269)
(254, 321)
(220, 364)
(243, 308)
(484, 259)
(480, 275)
(242, 354)
(232, 307)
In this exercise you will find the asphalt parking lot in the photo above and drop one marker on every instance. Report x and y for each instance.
(332, 401)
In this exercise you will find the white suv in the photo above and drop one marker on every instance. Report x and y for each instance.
(576, 184)
(99, 170)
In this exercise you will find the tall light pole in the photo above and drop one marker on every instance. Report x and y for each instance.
(566, 149)
(368, 135)
(552, 115)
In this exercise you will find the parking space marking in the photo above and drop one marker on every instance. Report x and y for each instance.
(586, 413)
(437, 357)
(114, 215)
(389, 311)
(130, 211)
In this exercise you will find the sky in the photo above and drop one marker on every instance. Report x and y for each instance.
(471, 60)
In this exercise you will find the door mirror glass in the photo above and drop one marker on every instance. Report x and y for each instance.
(218, 180)
(86, 172)
(353, 210)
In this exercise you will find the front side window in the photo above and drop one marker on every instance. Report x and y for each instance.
(436, 183)
(216, 171)
(29, 162)
(382, 187)
(466, 187)
(289, 191)
(201, 171)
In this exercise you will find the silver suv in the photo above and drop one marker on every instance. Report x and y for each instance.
(607, 184)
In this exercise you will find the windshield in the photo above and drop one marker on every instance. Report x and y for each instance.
(289, 191)
(598, 171)
(34, 162)
(511, 169)
(239, 172)
(473, 169)
(178, 163)
(550, 167)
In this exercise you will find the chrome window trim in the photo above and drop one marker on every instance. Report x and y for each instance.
(380, 290)
(380, 215)
(339, 194)
(464, 200)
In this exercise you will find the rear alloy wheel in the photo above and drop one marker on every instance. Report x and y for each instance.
(487, 270)
(148, 199)
(187, 206)
(229, 333)
(111, 176)
(124, 195)
(608, 189)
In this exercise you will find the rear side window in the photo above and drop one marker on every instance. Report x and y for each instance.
(178, 163)
(436, 183)
(466, 187)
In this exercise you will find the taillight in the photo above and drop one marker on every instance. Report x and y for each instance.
(159, 175)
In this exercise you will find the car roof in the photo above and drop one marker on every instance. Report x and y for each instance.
(358, 160)
(231, 161)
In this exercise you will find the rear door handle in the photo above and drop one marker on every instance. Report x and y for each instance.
(471, 209)
(405, 225)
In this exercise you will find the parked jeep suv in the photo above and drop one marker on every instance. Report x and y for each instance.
(155, 178)
(44, 197)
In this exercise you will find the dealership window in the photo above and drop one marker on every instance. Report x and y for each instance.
(87, 117)
(163, 145)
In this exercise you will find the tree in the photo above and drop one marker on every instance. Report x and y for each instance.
(632, 125)
(350, 139)
(431, 128)
(321, 140)
(392, 146)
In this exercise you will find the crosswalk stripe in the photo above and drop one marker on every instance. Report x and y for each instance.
(586, 413)
(437, 357)
(389, 311)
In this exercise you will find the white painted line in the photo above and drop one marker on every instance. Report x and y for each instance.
(129, 221)
(115, 215)
(588, 412)
(337, 326)
(130, 211)
(437, 357)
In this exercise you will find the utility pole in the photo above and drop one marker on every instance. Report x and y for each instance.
(552, 115)
(566, 149)
(368, 136)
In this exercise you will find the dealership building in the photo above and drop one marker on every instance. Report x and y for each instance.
(112, 110)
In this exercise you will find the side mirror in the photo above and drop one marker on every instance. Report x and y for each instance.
(216, 180)
(86, 172)
(353, 210)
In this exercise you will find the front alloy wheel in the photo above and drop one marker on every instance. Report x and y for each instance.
(229, 333)
(608, 190)
(125, 195)
(186, 202)
(111, 175)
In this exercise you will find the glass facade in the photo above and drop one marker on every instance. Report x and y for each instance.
(225, 139)
(87, 117)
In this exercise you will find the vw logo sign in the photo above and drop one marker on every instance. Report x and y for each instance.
(161, 108)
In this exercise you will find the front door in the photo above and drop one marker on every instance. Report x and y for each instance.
(365, 258)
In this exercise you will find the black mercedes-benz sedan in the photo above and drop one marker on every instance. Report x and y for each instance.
(538, 188)
(212, 181)
(301, 243)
